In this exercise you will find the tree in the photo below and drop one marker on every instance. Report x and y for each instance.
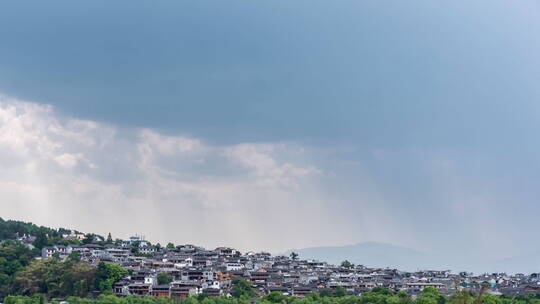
(325, 293)
(382, 290)
(109, 239)
(380, 296)
(107, 274)
(81, 288)
(54, 278)
(403, 297)
(430, 295)
(88, 239)
(10, 230)
(242, 288)
(467, 297)
(74, 256)
(294, 255)
(41, 240)
(71, 242)
(340, 291)
(170, 246)
(135, 247)
(35, 299)
(14, 257)
(163, 278)
(275, 297)
(347, 264)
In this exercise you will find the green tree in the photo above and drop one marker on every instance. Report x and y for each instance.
(164, 278)
(88, 238)
(347, 264)
(382, 290)
(10, 230)
(41, 240)
(14, 257)
(170, 246)
(380, 296)
(107, 274)
(54, 278)
(326, 293)
(37, 299)
(71, 242)
(74, 256)
(80, 288)
(403, 297)
(242, 288)
(430, 295)
(135, 247)
(274, 297)
(109, 239)
(340, 291)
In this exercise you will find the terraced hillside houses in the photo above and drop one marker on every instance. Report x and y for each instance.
(194, 270)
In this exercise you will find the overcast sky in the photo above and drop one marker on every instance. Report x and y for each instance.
(271, 124)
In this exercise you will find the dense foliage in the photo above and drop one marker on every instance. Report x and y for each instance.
(376, 296)
(242, 289)
(55, 278)
(164, 278)
(21, 274)
(44, 236)
(107, 274)
(24, 280)
(11, 230)
(14, 257)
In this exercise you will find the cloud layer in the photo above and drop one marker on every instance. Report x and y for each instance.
(97, 177)
(93, 176)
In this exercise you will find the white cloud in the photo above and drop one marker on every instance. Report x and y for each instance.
(91, 176)
(259, 158)
(69, 161)
(60, 171)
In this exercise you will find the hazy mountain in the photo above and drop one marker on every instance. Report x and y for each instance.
(374, 254)
(371, 254)
(527, 263)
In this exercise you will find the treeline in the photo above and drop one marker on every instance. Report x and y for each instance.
(44, 236)
(55, 278)
(11, 230)
(14, 258)
(21, 274)
(376, 296)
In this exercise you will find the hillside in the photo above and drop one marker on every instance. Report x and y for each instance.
(11, 230)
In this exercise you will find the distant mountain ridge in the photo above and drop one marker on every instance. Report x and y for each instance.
(523, 263)
(372, 254)
(384, 255)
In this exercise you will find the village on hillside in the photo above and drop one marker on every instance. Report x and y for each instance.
(185, 270)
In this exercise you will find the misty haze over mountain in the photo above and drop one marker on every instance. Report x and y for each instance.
(375, 254)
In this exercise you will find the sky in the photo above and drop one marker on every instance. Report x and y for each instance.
(270, 125)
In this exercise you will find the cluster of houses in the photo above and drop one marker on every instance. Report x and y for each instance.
(194, 270)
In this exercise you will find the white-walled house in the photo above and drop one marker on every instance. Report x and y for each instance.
(49, 251)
